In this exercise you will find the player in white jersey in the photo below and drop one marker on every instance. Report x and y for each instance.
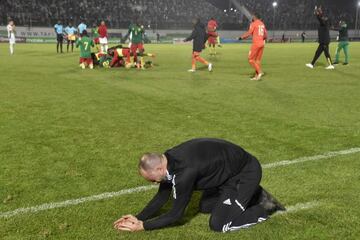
(11, 35)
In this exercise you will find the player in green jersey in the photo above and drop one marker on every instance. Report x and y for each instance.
(136, 32)
(343, 43)
(95, 36)
(85, 44)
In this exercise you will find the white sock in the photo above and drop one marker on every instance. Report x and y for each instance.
(102, 48)
(106, 48)
(11, 49)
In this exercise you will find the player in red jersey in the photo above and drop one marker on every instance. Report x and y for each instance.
(213, 36)
(258, 32)
(120, 53)
(102, 30)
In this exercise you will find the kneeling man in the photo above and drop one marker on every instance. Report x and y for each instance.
(228, 176)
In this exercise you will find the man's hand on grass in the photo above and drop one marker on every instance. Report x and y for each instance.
(128, 223)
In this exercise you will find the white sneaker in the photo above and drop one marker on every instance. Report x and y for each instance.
(191, 70)
(309, 65)
(210, 67)
(330, 67)
(259, 76)
(255, 78)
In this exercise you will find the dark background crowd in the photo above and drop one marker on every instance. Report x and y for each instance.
(173, 14)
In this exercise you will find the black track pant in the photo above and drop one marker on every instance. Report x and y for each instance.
(235, 204)
(322, 48)
(59, 43)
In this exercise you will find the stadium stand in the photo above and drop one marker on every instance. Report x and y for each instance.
(168, 14)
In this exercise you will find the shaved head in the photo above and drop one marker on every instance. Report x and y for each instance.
(153, 167)
(149, 161)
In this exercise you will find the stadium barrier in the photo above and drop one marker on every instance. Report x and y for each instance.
(47, 35)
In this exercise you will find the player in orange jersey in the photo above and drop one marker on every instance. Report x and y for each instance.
(259, 34)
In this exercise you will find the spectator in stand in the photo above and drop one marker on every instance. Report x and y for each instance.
(293, 14)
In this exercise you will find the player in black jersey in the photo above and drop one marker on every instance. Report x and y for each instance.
(228, 176)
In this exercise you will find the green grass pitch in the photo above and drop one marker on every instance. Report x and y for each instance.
(67, 133)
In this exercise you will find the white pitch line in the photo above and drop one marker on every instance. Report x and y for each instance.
(311, 158)
(108, 195)
(71, 202)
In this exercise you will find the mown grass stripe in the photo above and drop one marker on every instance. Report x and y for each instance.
(108, 195)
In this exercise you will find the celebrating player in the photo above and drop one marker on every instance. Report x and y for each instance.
(213, 37)
(324, 39)
(199, 38)
(85, 44)
(95, 36)
(258, 32)
(11, 35)
(136, 31)
(343, 43)
(59, 36)
(102, 30)
(70, 31)
(119, 53)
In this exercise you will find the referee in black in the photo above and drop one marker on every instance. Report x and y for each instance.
(323, 39)
(228, 176)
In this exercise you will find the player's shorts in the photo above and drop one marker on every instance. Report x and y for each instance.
(12, 39)
(136, 46)
(96, 40)
(71, 37)
(212, 40)
(88, 60)
(256, 52)
(59, 37)
(103, 40)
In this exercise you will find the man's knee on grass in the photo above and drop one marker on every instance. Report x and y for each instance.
(216, 223)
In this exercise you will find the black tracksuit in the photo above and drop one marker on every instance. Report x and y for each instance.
(228, 175)
(324, 39)
(199, 37)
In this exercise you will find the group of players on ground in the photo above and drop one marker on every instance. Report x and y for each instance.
(117, 56)
(133, 55)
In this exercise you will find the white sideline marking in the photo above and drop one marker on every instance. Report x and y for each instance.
(298, 207)
(108, 195)
(311, 158)
(71, 202)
